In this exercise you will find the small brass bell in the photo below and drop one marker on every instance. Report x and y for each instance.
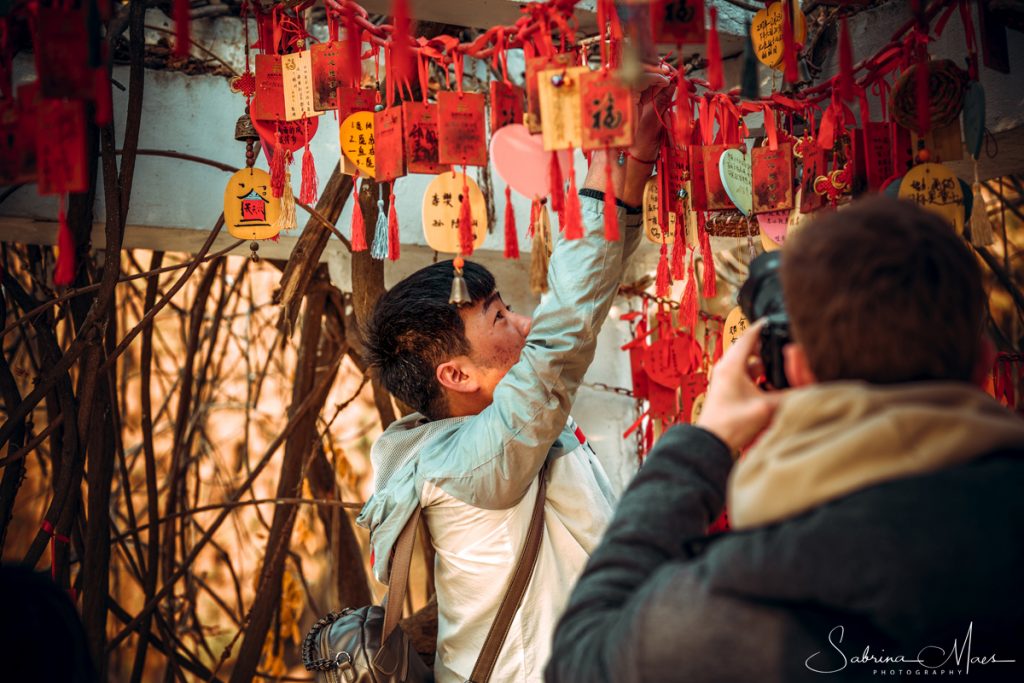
(460, 292)
(244, 130)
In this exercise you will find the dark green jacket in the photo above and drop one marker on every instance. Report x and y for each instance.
(934, 560)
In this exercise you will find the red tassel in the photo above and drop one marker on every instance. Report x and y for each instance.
(511, 235)
(572, 225)
(662, 281)
(688, 304)
(358, 224)
(308, 189)
(181, 28)
(611, 214)
(789, 49)
(277, 164)
(714, 56)
(102, 96)
(393, 247)
(922, 93)
(64, 272)
(683, 111)
(465, 219)
(710, 275)
(845, 62)
(557, 186)
(679, 252)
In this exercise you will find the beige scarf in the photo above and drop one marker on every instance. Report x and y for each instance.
(829, 440)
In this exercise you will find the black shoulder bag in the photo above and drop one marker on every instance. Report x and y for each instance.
(367, 645)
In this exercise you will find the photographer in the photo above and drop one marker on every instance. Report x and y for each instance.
(878, 519)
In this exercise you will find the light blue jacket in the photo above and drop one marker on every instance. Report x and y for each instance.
(489, 460)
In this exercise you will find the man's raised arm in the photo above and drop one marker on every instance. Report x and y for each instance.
(506, 444)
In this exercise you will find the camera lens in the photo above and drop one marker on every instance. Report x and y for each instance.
(761, 297)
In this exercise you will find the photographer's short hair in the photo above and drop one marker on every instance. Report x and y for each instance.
(414, 329)
(884, 291)
(41, 635)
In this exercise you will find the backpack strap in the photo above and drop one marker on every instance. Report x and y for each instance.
(399, 578)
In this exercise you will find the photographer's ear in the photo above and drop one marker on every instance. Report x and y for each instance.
(798, 370)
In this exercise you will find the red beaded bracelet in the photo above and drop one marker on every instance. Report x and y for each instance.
(623, 153)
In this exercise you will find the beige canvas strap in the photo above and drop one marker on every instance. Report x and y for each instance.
(399, 579)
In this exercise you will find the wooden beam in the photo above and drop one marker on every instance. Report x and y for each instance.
(477, 13)
(338, 258)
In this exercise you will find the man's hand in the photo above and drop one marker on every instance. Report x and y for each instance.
(735, 410)
(652, 103)
(652, 100)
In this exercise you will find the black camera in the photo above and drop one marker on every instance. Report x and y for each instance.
(761, 297)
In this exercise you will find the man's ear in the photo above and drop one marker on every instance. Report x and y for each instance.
(798, 370)
(458, 374)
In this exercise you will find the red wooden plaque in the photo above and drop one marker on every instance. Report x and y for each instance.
(877, 154)
(62, 53)
(660, 363)
(858, 163)
(664, 402)
(18, 136)
(506, 104)
(421, 142)
(717, 197)
(814, 166)
(9, 142)
(606, 111)
(389, 150)
(902, 149)
(326, 59)
(351, 100)
(461, 129)
(772, 172)
(268, 104)
(681, 21)
(61, 153)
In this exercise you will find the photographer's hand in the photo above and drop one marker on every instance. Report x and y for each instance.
(735, 410)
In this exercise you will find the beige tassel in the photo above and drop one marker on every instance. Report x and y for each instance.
(540, 252)
(286, 219)
(981, 227)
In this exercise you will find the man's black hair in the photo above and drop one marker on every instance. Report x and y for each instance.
(414, 329)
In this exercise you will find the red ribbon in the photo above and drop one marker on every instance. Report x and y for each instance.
(48, 529)
(970, 39)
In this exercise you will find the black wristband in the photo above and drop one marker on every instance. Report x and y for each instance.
(597, 194)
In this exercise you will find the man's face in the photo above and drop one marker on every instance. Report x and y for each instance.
(496, 337)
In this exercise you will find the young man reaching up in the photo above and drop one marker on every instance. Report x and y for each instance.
(493, 391)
